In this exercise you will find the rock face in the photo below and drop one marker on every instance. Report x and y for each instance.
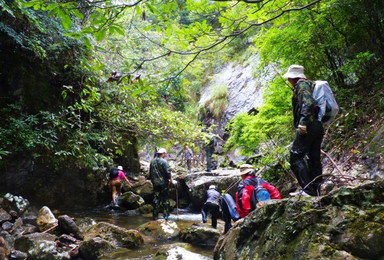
(244, 90)
(346, 224)
(15, 203)
(199, 182)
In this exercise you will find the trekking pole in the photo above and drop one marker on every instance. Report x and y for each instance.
(177, 202)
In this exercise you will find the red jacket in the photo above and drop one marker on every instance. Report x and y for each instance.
(245, 190)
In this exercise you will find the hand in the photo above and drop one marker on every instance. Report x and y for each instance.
(302, 129)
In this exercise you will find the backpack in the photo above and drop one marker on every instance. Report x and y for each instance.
(325, 101)
(256, 182)
(113, 173)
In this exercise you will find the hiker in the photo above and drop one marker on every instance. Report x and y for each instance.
(115, 177)
(160, 176)
(309, 133)
(188, 157)
(210, 148)
(211, 205)
(229, 211)
(252, 191)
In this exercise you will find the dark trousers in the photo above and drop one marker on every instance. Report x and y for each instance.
(213, 208)
(305, 158)
(189, 165)
(208, 153)
(226, 216)
(161, 201)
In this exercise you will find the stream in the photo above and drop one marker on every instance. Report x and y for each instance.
(183, 219)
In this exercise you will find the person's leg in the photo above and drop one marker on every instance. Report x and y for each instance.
(299, 165)
(204, 213)
(156, 202)
(189, 165)
(113, 185)
(215, 213)
(164, 198)
(226, 216)
(314, 152)
(209, 157)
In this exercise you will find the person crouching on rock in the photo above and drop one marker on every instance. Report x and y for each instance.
(252, 191)
(115, 177)
(211, 205)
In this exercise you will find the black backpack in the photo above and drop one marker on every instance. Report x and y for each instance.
(113, 173)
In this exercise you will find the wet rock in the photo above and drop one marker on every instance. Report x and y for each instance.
(146, 209)
(118, 236)
(18, 255)
(67, 239)
(4, 216)
(40, 246)
(95, 248)
(4, 248)
(29, 229)
(18, 224)
(68, 226)
(199, 182)
(7, 226)
(131, 200)
(201, 236)
(45, 219)
(16, 203)
(85, 223)
(345, 224)
(177, 252)
(160, 229)
(144, 166)
(144, 188)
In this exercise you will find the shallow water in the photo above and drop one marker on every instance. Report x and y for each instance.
(183, 218)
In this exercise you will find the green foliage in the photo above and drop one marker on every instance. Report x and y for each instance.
(218, 101)
(269, 131)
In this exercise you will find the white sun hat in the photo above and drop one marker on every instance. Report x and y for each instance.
(295, 71)
(161, 150)
(120, 167)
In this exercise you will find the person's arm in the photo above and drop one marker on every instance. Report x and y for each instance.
(246, 199)
(273, 192)
(129, 183)
(306, 101)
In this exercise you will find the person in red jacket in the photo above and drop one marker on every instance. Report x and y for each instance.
(252, 191)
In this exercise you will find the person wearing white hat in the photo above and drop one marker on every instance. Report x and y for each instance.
(309, 133)
(160, 175)
(211, 205)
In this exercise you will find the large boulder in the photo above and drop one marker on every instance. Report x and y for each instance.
(345, 224)
(117, 236)
(68, 226)
(131, 200)
(40, 246)
(45, 219)
(15, 203)
(160, 230)
(95, 248)
(144, 188)
(201, 236)
(4, 216)
(199, 182)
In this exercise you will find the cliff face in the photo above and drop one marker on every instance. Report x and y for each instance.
(244, 90)
(345, 224)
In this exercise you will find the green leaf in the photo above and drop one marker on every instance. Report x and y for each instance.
(66, 22)
(100, 35)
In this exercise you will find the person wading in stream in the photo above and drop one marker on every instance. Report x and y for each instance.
(115, 177)
(160, 175)
(252, 191)
(211, 205)
(309, 133)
